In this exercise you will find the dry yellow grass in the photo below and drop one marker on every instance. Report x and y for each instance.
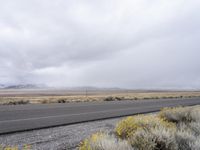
(74, 96)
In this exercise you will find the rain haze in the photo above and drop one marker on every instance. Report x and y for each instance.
(137, 44)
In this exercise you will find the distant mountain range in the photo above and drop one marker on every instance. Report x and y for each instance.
(80, 88)
(91, 88)
(21, 86)
(2, 86)
(41, 86)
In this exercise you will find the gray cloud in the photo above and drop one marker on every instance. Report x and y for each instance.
(131, 43)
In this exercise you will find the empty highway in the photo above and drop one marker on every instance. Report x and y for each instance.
(36, 116)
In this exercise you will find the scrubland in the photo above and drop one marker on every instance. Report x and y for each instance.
(171, 129)
(51, 96)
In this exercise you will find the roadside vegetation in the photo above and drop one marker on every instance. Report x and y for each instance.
(18, 102)
(171, 129)
(14, 98)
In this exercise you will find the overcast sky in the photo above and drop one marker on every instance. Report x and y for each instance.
(105, 43)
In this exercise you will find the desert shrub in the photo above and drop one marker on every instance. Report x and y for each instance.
(180, 114)
(184, 138)
(119, 98)
(196, 144)
(45, 101)
(130, 125)
(195, 128)
(125, 127)
(164, 97)
(158, 138)
(21, 102)
(104, 141)
(177, 115)
(110, 98)
(147, 98)
(61, 101)
(195, 114)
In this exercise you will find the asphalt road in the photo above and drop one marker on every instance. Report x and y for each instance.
(37, 116)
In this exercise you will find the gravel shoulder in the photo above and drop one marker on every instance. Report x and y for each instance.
(58, 138)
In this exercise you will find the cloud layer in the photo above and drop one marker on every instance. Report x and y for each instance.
(130, 43)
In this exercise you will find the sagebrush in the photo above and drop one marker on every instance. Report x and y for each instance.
(172, 129)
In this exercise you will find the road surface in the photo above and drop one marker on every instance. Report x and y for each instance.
(36, 116)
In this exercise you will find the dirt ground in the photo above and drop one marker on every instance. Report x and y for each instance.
(64, 96)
